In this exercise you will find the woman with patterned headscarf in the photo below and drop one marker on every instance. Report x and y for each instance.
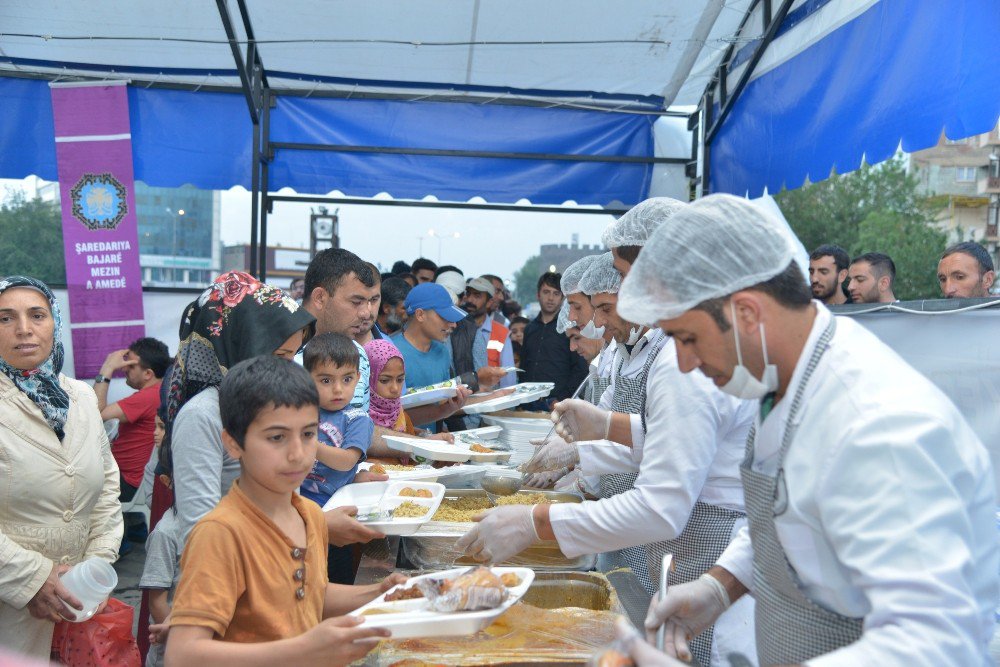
(236, 318)
(59, 503)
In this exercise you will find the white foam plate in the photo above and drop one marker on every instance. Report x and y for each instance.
(438, 450)
(523, 393)
(428, 396)
(411, 618)
(381, 496)
(421, 473)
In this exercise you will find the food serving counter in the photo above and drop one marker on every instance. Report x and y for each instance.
(565, 616)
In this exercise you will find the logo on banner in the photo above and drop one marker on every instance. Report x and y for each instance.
(99, 201)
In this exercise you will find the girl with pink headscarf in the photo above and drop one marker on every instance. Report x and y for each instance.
(387, 379)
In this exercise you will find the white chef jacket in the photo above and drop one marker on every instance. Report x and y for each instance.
(890, 506)
(695, 442)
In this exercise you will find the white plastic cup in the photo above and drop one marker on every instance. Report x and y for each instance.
(91, 581)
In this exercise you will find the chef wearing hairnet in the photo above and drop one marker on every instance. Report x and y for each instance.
(871, 537)
(582, 314)
(687, 439)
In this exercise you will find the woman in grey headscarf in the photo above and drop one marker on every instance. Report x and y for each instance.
(59, 501)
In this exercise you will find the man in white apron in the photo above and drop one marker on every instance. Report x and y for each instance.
(870, 501)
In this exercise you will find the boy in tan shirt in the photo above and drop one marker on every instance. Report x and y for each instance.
(253, 587)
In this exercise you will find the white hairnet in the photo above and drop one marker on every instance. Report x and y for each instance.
(563, 322)
(570, 282)
(601, 277)
(711, 248)
(454, 282)
(638, 224)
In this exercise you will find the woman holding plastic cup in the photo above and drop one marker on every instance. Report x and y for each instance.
(59, 500)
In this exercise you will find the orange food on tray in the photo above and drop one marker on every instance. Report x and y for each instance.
(416, 493)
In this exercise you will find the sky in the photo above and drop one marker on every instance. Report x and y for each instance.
(497, 242)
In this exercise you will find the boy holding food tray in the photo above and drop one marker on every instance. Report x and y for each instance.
(253, 587)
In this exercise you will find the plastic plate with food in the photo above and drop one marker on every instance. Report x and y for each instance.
(434, 393)
(392, 508)
(523, 393)
(437, 450)
(461, 601)
(398, 472)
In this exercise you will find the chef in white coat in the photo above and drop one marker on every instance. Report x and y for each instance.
(871, 537)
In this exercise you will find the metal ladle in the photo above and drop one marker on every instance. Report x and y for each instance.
(500, 485)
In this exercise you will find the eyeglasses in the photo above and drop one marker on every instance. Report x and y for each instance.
(299, 553)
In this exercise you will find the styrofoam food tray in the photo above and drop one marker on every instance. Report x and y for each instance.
(481, 433)
(438, 450)
(531, 391)
(381, 496)
(428, 396)
(421, 473)
(411, 618)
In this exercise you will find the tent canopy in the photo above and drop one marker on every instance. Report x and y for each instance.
(550, 102)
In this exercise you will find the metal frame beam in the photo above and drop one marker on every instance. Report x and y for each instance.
(772, 24)
(329, 199)
(439, 152)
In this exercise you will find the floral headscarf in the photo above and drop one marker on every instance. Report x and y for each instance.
(41, 384)
(236, 318)
(383, 411)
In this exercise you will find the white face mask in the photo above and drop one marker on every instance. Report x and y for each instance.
(743, 384)
(634, 335)
(591, 332)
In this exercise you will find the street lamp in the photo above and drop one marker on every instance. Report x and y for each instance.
(439, 235)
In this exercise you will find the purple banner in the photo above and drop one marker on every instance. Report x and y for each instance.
(100, 234)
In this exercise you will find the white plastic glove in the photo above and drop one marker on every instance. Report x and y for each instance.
(687, 610)
(577, 420)
(549, 455)
(500, 533)
(568, 483)
(544, 480)
(642, 654)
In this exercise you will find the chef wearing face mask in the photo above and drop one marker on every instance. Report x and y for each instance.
(871, 537)
(581, 312)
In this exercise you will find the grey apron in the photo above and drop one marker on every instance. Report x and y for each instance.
(706, 535)
(595, 388)
(630, 398)
(597, 384)
(790, 627)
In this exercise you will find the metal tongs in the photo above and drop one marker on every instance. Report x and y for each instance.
(666, 565)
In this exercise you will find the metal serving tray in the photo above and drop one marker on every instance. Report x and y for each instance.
(433, 546)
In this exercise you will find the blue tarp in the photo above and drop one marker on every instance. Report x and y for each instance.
(204, 139)
(902, 71)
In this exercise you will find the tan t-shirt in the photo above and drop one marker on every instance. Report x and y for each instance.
(238, 573)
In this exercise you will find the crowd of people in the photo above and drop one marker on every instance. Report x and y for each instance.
(965, 271)
(822, 501)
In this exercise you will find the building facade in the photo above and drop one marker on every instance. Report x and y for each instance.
(179, 233)
(964, 176)
(283, 264)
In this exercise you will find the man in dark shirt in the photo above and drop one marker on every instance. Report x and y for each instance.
(545, 353)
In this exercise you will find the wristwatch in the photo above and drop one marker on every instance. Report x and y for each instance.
(100, 378)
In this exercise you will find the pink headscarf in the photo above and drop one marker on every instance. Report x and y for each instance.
(383, 411)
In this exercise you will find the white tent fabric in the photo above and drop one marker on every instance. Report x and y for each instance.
(573, 51)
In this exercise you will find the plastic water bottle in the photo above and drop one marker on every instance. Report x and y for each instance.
(91, 581)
